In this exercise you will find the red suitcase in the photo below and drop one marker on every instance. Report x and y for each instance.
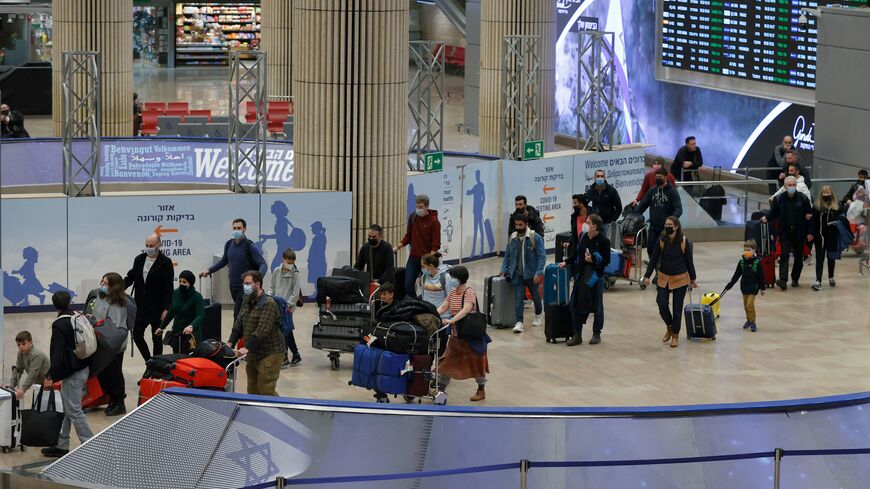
(149, 388)
(418, 383)
(93, 397)
(768, 266)
(200, 373)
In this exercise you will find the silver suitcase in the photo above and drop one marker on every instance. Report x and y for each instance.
(498, 302)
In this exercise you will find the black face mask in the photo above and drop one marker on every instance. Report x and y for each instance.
(826, 198)
(184, 289)
(576, 209)
(660, 181)
(669, 230)
(374, 241)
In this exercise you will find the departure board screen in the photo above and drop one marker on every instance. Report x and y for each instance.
(757, 40)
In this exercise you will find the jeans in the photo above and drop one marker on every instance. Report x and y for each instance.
(143, 320)
(821, 257)
(290, 340)
(520, 285)
(412, 271)
(673, 320)
(580, 318)
(112, 379)
(72, 390)
(791, 244)
(237, 293)
(263, 374)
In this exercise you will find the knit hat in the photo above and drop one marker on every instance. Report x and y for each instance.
(189, 276)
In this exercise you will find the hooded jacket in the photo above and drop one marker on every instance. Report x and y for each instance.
(423, 234)
(534, 218)
(286, 284)
(662, 203)
(440, 279)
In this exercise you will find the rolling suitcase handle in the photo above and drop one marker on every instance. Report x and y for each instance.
(692, 313)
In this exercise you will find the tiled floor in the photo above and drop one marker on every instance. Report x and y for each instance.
(808, 344)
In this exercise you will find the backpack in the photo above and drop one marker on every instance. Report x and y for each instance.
(248, 253)
(531, 236)
(286, 317)
(85, 337)
(753, 267)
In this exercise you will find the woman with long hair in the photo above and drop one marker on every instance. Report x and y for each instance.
(672, 257)
(110, 303)
(826, 234)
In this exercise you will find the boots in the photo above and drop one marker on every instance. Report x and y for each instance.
(575, 340)
(668, 334)
(675, 340)
(479, 395)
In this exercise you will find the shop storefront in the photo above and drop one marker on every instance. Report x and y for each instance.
(207, 32)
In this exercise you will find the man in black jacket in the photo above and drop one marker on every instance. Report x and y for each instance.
(533, 217)
(12, 123)
(688, 158)
(847, 199)
(73, 372)
(376, 256)
(794, 212)
(663, 201)
(605, 200)
(152, 278)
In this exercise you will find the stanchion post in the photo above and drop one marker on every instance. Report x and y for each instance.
(279, 483)
(777, 466)
(524, 473)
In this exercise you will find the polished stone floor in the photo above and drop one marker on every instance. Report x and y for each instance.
(808, 344)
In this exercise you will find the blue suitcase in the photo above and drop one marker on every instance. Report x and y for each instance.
(616, 267)
(365, 366)
(557, 283)
(699, 321)
(389, 374)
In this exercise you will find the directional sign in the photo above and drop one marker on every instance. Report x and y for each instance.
(533, 150)
(547, 189)
(433, 162)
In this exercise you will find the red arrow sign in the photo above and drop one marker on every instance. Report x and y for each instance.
(548, 189)
(159, 231)
(548, 217)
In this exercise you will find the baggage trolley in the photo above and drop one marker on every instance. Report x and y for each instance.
(233, 372)
(635, 253)
(863, 232)
(335, 346)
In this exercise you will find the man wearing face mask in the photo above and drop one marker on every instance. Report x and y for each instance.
(795, 172)
(376, 256)
(12, 124)
(152, 277)
(259, 323)
(662, 201)
(649, 180)
(605, 200)
(240, 255)
(424, 236)
(794, 211)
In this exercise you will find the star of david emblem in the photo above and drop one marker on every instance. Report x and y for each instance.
(248, 453)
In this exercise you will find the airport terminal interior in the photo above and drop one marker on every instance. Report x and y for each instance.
(181, 144)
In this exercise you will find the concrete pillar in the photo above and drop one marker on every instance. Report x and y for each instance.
(472, 67)
(105, 26)
(277, 33)
(517, 17)
(350, 79)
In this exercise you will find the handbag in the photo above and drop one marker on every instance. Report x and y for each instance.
(109, 335)
(473, 325)
(41, 428)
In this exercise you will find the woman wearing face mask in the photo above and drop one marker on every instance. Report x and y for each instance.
(588, 260)
(436, 282)
(188, 311)
(672, 257)
(109, 302)
(825, 234)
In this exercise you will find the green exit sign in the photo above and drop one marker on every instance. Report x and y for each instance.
(533, 150)
(433, 162)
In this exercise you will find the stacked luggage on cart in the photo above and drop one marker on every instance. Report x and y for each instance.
(627, 243)
(211, 366)
(344, 314)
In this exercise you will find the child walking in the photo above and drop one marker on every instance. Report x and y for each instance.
(751, 277)
(285, 284)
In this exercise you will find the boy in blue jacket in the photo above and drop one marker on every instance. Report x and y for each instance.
(751, 277)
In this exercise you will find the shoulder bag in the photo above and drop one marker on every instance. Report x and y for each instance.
(473, 325)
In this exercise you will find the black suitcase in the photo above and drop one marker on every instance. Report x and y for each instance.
(760, 233)
(558, 322)
(337, 331)
(340, 290)
(211, 322)
(399, 283)
(357, 310)
(345, 321)
(712, 201)
(161, 366)
(364, 278)
(561, 239)
(401, 337)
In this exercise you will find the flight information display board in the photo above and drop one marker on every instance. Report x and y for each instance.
(758, 41)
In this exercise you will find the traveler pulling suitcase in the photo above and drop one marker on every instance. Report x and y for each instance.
(10, 421)
(498, 302)
(699, 319)
(557, 314)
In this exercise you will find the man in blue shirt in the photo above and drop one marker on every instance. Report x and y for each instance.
(241, 256)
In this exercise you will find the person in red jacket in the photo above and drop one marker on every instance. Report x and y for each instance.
(424, 236)
(649, 181)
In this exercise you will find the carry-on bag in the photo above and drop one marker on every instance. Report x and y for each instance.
(616, 267)
(390, 378)
(211, 321)
(498, 298)
(712, 299)
(418, 379)
(41, 428)
(149, 388)
(200, 373)
(401, 337)
(161, 366)
(561, 240)
(363, 278)
(365, 366)
(556, 282)
(699, 319)
(10, 420)
(340, 290)
(557, 316)
(216, 351)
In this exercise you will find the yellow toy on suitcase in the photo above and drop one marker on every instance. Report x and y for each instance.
(712, 299)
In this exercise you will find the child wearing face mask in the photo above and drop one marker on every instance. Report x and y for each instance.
(285, 284)
(751, 276)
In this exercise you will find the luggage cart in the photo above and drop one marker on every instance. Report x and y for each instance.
(635, 253)
(335, 339)
(864, 236)
(233, 372)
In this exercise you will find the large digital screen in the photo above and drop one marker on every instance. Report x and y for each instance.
(760, 41)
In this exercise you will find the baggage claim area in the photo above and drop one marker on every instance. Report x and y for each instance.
(552, 244)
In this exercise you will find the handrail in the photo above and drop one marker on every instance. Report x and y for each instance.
(525, 465)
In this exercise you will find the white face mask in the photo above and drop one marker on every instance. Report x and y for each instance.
(421, 212)
(585, 228)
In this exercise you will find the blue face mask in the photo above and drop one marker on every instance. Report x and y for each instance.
(238, 235)
(248, 289)
(599, 181)
(452, 283)
(104, 289)
(791, 190)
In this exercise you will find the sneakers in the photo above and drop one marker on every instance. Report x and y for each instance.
(54, 452)
(794, 283)
(296, 360)
(753, 327)
(286, 364)
(518, 328)
(596, 338)
(479, 395)
(808, 260)
(832, 282)
(575, 340)
(817, 285)
(747, 324)
(539, 320)
(782, 284)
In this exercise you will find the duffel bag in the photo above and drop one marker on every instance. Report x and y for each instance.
(340, 290)
(216, 351)
(401, 337)
(160, 366)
